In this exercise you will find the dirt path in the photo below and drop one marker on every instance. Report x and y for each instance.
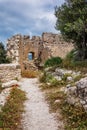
(36, 116)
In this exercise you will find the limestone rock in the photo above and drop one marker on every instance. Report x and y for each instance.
(62, 72)
(76, 74)
(82, 83)
(57, 101)
(71, 91)
(58, 78)
(69, 78)
(85, 107)
(9, 84)
(77, 94)
(72, 100)
(9, 72)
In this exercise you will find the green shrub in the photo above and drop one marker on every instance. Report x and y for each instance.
(70, 55)
(64, 78)
(72, 61)
(78, 77)
(45, 78)
(49, 78)
(54, 82)
(80, 63)
(68, 60)
(42, 78)
(54, 61)
(3, 57)
(1, 87)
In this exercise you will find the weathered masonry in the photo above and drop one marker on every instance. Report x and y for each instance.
(9, 72)
(31, 52)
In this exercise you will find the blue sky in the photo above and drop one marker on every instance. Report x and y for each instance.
(29, 17)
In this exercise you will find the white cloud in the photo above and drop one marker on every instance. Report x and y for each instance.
(27, 16)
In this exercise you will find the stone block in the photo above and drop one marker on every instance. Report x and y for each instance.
(69, 78)
(9, 84)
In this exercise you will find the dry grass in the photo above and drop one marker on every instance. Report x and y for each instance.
(52, 94)
(29, 74)
(74, 117)
(10, 115)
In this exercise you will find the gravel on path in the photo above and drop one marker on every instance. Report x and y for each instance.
(36, 115)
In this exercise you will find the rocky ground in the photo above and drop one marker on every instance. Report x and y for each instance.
(37, 115)
(75, 83)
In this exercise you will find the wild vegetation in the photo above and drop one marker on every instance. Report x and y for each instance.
(54, 61)
(74, 117)
(72, 22)
(70, 63)
(10, 113)
(29, 74)
(3, 57)
(1, 87)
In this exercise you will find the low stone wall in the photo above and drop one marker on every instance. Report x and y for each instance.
(9, 72)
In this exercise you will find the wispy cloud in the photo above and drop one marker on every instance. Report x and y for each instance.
(30, 17)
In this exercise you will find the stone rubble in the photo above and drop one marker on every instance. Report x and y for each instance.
(59, 74)
(71, 95)
(82, 91)
(77, 94)
(69, 78)
(6, 91)
(9, 84)
(76, 91)
(9, 72)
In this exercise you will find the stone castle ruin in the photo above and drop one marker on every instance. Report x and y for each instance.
(31, 52)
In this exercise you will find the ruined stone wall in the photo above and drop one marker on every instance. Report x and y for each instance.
(13, 48)
(29, 45)
(9, 72)
(49, 45)
(56, 45)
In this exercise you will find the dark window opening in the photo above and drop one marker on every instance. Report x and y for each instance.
(25, 67)
(31, 55)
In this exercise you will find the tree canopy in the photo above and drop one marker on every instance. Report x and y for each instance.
(72, 22)
(3, 58)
